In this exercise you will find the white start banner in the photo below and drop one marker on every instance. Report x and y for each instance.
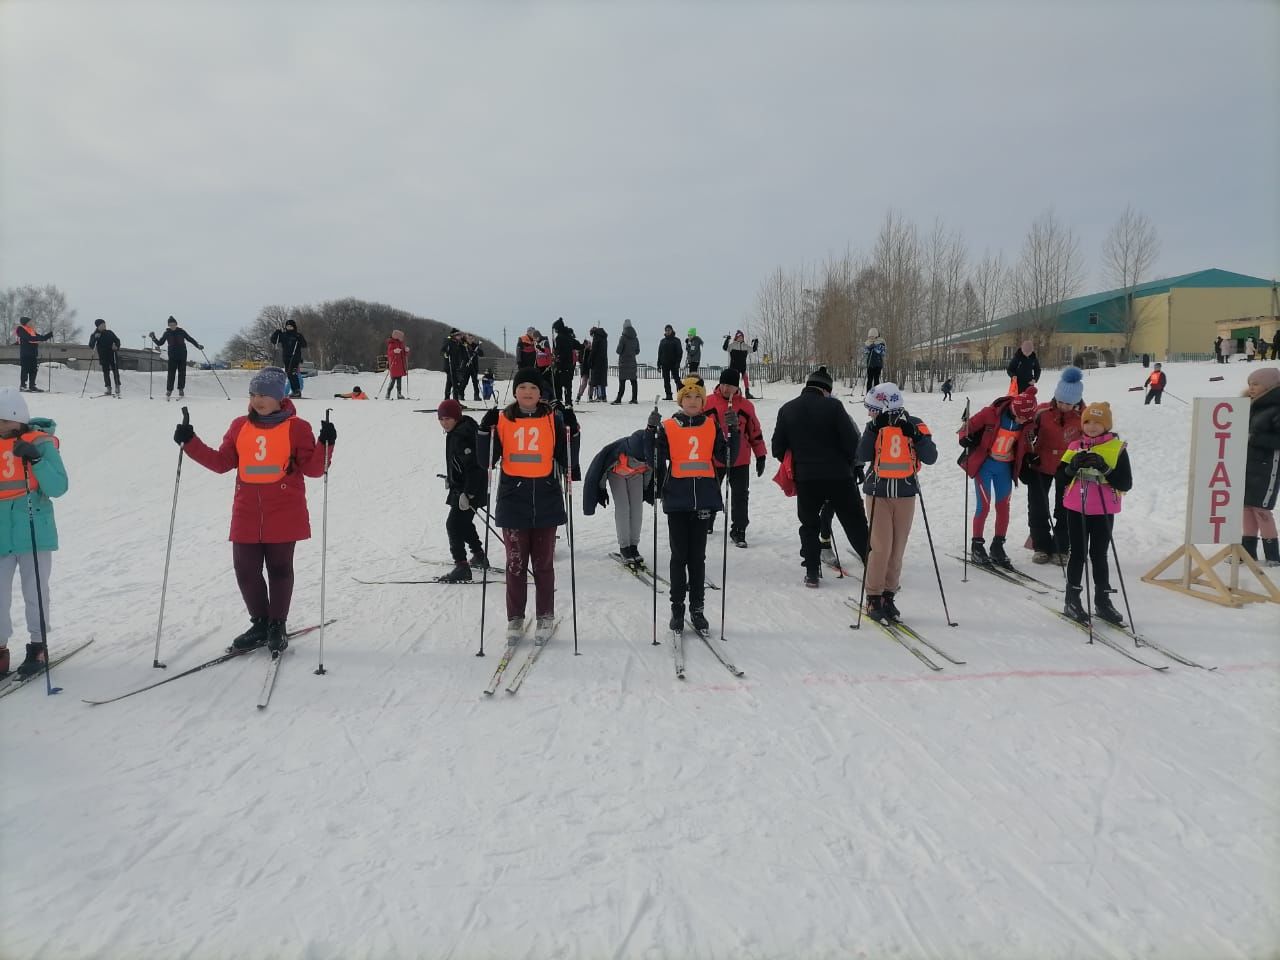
(1215, 490)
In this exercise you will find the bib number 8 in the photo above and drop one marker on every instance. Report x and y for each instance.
(895, 446)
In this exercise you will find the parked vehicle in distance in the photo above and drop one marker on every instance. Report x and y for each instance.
(216, 365)
(307, 369)
(345, 368)
(250, 364)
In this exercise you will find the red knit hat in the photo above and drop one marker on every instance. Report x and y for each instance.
(1023, 406)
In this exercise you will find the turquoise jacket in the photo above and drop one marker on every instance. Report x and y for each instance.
(15, 530)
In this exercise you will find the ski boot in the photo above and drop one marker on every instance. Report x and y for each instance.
(542, 632)
(515, 630)
(978, 552)
(181, 393)
(1104, 608)
(1073, 608)
(889, 606)
(877, 609)
(677, 617)
(698, 621)
(998, 556)
(1271, 550)
(461, 573)
(4, 662)
(37, 655)
(812, 576)
(105, 393)
(478, 559)
(738, 537)
(1042, 556)
(117, 391)
(255, 636)
(277, 637)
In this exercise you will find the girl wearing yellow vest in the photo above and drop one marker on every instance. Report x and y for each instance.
(530, 441)
(29, 464)
(684, 450)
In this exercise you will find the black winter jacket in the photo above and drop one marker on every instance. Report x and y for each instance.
(595, 492)
(819, 433)
(291, 344)
(877, 486)
(522, 503)
(1262, 460)
(1025, 368)
(565, 345)
(177, 339)
(670, 353)
(106, 343)
(466, 473)
(599, 358)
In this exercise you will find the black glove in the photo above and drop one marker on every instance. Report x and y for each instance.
(1090, 461)
(883, 419)
(859, 474)
(328, 433)
(731, 420)
(183, 433)
(27, 450)
(968, 442)
(755, 345)
(760, 466)
(909, 429)
(200, 348)
(489, 420)
(655, 420)
(570, 420)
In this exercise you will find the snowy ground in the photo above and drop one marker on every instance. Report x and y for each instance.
(1047, 800)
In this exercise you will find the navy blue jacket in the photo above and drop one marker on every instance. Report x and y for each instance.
(177, 340)
(688, 494)
(595, 492)
(523, 503)
(876, 486)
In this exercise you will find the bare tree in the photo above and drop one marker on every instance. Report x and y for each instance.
(780, 313)
(1049, 271)
(833, 316)
(946, 261)
(895, 294)
(46, 306)
(990, 289)
(1130, 250)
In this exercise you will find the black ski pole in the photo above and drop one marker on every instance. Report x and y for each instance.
(724, 549)
(378, 393)
(653, 469)
(933, 553)
(168, 549)
(484, 575)
(228, 396)
(1084, 552)
(324, 540)
(86, 378)
(49, 688)
(862, 591)
(573, 572)
(964, 539)
(151, 378)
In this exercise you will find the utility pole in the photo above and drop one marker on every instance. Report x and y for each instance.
(504, 339)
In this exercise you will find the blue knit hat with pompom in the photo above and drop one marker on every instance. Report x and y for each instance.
(1070, 388)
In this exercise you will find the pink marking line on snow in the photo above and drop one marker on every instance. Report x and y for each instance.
(848, 679)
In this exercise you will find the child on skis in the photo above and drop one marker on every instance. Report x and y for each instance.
(30, 468)
(536, 445)
(486, 385)
(1055, 426)
(725, 397)
(997, 438)
(1097, 466)
(468, 490)
(738, 350)
(621, 470)
(893, 445)
(1262, 464)
(683, 450)
(271, 449)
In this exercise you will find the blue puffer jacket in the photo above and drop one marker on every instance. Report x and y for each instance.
(595, 491)
(15, 530)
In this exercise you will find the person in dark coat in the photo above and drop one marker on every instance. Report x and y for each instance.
(565, 347)
(1023, 369)
(29, 353)
(1217, 349)
(621, 470)
(474, 353)
(600, 363)
(693, 351)
(108, 346)
(815, 428)
(628, 350)
(466, 479)
(1262, 465)
(176, 339)
(584, 367)
(457, 364)
(291, 344)
(670, 353)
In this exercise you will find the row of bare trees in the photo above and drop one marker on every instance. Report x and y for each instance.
(920, 289)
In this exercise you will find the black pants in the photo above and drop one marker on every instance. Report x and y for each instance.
(475, 385)
(1046, 537)
(1153, 396)
(28, 370)
(1097, 530)
(562, 386)
(622, 386)
(295, 381)
(669, 374)
(739, 495)
(396, 385)
(873, 378)
(178, 370)
(839, 495)
(461, 529)
(109, 366)
(688, 570)
(459, 389)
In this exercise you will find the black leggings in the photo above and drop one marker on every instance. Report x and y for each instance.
(688, 569)
(109, 365)
(461, 529)
(248, 560)
(873, 378)
(395, 383)
(1097, 528)
(178, 369)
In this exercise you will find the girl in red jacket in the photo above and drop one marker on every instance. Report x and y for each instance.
(1055, 427)
(271, 450)
(720, 401)
(397, 362)
(997, 439)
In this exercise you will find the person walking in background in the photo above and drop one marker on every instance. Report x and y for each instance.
(946, 389)
(29, 353)
(725, 397)
(1023, 369)
(600, 364)
(565, 348)
(693, 351)
(628, 350)
(1054, 428)
(670, 353)
(738, 349)
(1262, 465)
(176, 339)
(527, 348)
(474, 353)
(1155, 386)
(108, 346)
(873, 351)
(1275, 346)
(397, 363)
(291, 343)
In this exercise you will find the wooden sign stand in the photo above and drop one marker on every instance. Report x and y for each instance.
(1199, 579)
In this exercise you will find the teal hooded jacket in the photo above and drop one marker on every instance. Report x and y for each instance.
(15, 529)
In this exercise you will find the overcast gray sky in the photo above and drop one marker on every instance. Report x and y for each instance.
(501, 164)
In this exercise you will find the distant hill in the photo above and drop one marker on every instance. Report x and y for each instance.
(346, 331)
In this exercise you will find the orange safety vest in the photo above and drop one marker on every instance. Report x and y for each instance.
(1153, 381)
(1002, 447)
(895, 455)
(690, 448)
(264, 452)
(1013, 387)
(528, 445)
(11, 482)
(625, 468)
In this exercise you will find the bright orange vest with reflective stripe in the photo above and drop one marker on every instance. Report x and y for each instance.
(895, 455)
(11, 482)
(1154, 380)
(625, 468)
(264, 452)
(690, 448)
(528, 445)
(1002, 448)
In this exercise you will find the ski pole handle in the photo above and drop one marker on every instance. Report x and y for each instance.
(186, 417)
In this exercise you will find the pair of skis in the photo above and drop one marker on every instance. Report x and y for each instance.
(1013, 575)
(677, 652)
(509, 654)
(495, 576)
(907, 637)
(16, 683)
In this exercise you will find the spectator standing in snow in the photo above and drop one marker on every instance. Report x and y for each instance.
(1023, 369)
(29, 353)
(946, 389)
(108, 346)
(1262, 464)
(397, 363)
(1249, 350)
(176, 339)
(600, 364)
(1155, 386)
(738, 349)
(670, 354)
(565, 348)
(873, 352)
(693, 351)
(474, 353)
(1217, 350)
(628, 350)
